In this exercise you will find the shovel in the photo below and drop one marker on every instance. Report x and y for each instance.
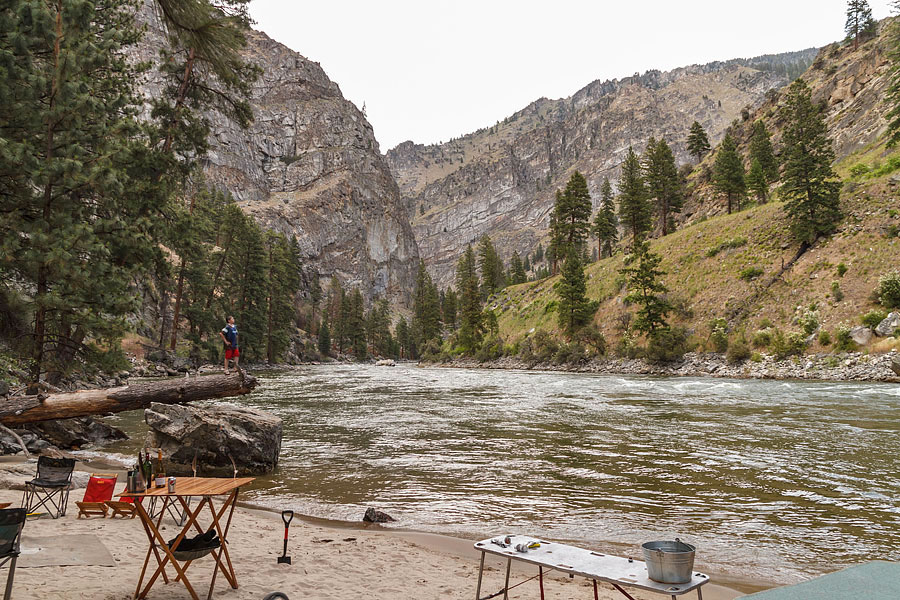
(287, 516)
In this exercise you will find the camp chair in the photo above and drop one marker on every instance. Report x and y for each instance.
(50, 488)
(11, 522)
(99, 489)
(122, 508)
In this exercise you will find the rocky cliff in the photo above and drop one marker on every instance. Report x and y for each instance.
(501, 180)
(310, 166)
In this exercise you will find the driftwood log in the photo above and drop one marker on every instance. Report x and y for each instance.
(32, 409)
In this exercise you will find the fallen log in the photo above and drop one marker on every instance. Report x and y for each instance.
(32, 409)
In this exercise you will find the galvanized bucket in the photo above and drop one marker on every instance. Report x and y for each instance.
(669, 562)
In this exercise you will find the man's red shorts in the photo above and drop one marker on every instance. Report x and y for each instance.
(232, 353)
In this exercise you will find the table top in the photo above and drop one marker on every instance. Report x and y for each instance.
(195, 486)
(586, 563)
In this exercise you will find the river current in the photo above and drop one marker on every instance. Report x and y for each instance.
(773, 481)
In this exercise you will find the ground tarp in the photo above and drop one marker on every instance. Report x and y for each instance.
(876, 580)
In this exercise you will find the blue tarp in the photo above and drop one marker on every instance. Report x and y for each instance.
(877, 580)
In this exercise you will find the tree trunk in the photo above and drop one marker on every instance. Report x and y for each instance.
(33, 409)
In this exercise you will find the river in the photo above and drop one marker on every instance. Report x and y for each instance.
(774, 481)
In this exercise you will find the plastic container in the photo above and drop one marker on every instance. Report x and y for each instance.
(669, 562)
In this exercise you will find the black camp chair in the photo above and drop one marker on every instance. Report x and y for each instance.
(11, 522)
(50, 488)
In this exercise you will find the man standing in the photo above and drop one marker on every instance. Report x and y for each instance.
(229, 335)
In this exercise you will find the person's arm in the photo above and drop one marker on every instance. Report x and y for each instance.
(222, 335)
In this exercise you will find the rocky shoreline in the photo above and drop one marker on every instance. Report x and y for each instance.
(849, 366)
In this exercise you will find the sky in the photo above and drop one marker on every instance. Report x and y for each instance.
(431, 70)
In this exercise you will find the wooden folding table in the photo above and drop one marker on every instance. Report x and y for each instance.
(185, 487)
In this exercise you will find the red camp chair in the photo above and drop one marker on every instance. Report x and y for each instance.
(99, 489)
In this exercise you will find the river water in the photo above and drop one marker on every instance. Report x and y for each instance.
(773, 481)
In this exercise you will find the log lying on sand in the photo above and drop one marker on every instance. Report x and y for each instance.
(31, 409)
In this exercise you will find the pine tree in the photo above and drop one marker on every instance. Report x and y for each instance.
(516, 269)
(448, 309)
(761, 150)
(557, 243)
(634, 206)
(893, 91)
(283, 278)
(574, 212)
(426, 323)
(606, 226)
(756, 182)
(663, 182)
(492, 277)
(859, 21)
(357, 325)
(401, 333)
(470, 316)
(697, 142)
(575, 310)
(539, 254)
(315, 297)
(324, 339)
(75, 209)
(810, 186)
(728, 173)
(645, 288)
(526, 265)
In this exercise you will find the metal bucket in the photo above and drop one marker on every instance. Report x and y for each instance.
(669, 562)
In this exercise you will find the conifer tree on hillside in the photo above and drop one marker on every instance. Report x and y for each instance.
(517, 270)
(645, 288)
(357, 326)
(283, 278)
(634, 205)
(859, 21)
(448, 309)
(570, 220)
(493, 279)
(401, 332)
(893, 91)
(728, 173)
(575, 310)
(74, 232)
(663, 182)
(697, 142)
(756, 182)
(556, 245)
(761, 150)
(606, 226)
(426, 323)
(470, 316)
(810, 187)
(324, 341)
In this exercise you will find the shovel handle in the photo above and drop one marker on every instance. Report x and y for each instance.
(287, 516)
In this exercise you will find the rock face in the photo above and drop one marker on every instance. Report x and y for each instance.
(216, 435)
(310, 166)
(75, 433)
(888, 325)
(502, 180)
(861, 335)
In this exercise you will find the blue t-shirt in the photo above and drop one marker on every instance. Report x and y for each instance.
(230, 333)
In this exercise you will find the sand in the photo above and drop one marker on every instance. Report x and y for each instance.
(328, 562)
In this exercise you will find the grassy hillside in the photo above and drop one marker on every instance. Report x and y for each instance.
(704, 262)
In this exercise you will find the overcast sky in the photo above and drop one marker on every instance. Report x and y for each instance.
(429, 70)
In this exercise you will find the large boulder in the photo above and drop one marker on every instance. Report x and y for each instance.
(895, 364)
(888, 325)
(216, 435)
(861, 335)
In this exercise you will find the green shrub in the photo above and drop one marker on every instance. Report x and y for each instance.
(544, 346)
(762, 338)
(491, 349)
(667, 345)
(859, 169)
(892, 231)
(750, 273)
(836, 291)
(571, 354)
(432, 351)
(756, 357)
(766, 324)
(841, 269)
(809, 321)
(726, 245)
(842, 340)
(628, 347)
(550, 307)
(889, 290)
(824, 338)
(738, 351)
(891, 165)
(785, 345)
(718, 335)
(872, 318)
(592, 339)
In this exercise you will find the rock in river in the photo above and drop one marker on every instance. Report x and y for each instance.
(217, 435)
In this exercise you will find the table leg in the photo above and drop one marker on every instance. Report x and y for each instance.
(506, 585)
(168, 556)
(480, 573)
(596, 597)
(192, 520)
(152, 549)
(224, 549)
(699, 594)
(624, 593)
(541, 580)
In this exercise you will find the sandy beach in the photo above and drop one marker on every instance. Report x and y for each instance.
(328, 562)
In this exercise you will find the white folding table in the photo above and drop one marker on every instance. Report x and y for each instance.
(618, 571)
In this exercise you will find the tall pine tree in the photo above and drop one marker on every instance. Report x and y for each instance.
(575, 310)
(728, 173)
(756, 182)
(859, 21)
(605, 226)
(645, 288)
(810, 187)
(761, 150)
(634, 205)
(471, 330)
(663, 182)
(697, 142)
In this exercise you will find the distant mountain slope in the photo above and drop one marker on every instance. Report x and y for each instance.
(310, 166)
(501, 180)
